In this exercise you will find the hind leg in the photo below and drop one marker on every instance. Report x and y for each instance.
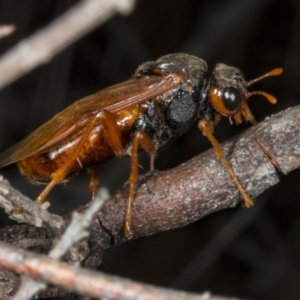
(61, 173)
(94, 183)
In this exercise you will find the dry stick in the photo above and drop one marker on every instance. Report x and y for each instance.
(75, 232)
(39, 216)
(85, 282)
(43, 45)
(6, 30)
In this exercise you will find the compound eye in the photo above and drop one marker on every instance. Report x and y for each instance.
(232, 98)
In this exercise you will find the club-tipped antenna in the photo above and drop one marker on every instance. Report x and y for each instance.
(269, 97)
(274, 72)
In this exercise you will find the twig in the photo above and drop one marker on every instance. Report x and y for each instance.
(27, 243)
(42, 46)
(75, 232)
(9, 282)
(6, 30)
(89, 283)
(37, 215)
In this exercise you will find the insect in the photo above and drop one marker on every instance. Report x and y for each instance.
(164, 98)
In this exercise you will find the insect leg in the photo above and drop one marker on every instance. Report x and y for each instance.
(207, 128)
(94, 183)
(142, 140)
(112, 132)
(60, 174)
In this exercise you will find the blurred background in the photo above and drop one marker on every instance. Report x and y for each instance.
(251, 254)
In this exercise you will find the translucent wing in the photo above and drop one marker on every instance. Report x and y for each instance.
(114, 99)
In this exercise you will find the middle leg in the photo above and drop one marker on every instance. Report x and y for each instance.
(142, 140)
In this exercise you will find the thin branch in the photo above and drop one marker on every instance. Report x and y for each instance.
(6, 30)
(27, 243)
(75, 232)
(37, 214)
(42, 46)
(9, 282)
(89, 283)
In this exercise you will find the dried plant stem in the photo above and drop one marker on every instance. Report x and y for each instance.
(88, 283)
(41, 47)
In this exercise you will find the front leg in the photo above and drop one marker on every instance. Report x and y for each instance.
(207, 128)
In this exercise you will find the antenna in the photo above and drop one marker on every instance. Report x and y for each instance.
(269, 97)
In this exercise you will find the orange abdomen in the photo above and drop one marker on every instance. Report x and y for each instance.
(96, 151)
